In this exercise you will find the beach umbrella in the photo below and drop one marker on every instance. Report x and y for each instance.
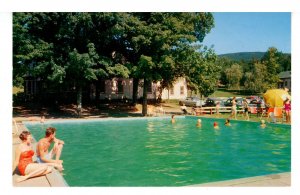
(275, 97)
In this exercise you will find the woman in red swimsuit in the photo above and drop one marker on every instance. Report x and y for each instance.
(23, 159)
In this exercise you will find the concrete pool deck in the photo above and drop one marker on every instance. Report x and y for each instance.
(55, 179)
(273, 180)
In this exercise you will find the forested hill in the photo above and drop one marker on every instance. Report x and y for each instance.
(246, 56)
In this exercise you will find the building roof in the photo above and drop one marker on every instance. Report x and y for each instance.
(285, 74)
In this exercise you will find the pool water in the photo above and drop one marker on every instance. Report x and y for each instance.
(154, 152)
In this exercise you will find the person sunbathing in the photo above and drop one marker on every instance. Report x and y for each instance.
(42, 150)
(23, 160)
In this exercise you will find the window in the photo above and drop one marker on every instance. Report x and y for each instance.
(102, 86)
(285, 83)
(181, 90)
(172, 91)
(120, 87)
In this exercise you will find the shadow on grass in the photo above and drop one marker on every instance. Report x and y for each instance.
(70, 111)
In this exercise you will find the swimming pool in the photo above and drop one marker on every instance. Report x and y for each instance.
(154, 152)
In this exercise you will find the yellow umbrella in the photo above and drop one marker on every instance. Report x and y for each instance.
(275, 97)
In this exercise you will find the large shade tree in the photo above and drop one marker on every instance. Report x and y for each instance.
(159, 45)
(76, 48)
(65, 48)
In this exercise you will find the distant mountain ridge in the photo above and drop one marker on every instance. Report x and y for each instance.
(246, 56)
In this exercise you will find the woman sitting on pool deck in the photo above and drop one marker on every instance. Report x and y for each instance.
(23, 160)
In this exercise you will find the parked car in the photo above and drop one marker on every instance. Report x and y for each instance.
(192, 101)
(239, 102)
(257, 103)
(250, 98)
(211, 102)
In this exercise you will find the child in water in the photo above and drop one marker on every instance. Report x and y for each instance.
(199, 123)
(216, 126)
(227, 122)
(262, 124)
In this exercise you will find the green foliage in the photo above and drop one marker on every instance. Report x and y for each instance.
(204, 72)
(271, 60)
(234, 75)
(76, 48)
(58, 74)
(255, 80)
(258, 74)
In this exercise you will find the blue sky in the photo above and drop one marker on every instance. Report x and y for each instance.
(250, 32)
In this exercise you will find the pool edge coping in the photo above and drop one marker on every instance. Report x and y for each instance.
(270, 180)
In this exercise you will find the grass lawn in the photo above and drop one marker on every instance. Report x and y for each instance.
(222, 93)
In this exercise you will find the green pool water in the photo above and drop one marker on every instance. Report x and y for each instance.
(154, 152)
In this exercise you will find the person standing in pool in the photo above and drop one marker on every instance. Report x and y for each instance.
(173, 119)
(216, 125)
(198, 123)
(42, 150)
(263, 124)
(227, 122)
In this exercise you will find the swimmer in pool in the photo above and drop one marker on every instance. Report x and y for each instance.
(199, 123)
(216, 126)
(173, 119)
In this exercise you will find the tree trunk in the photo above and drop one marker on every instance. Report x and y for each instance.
(146, 83)
(79, 100)
(135, 91)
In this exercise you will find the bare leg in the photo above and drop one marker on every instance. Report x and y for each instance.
(34, 170)
(234, 114)
(57, 149)
(246, 116)
(288, 117)
(58, 166)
